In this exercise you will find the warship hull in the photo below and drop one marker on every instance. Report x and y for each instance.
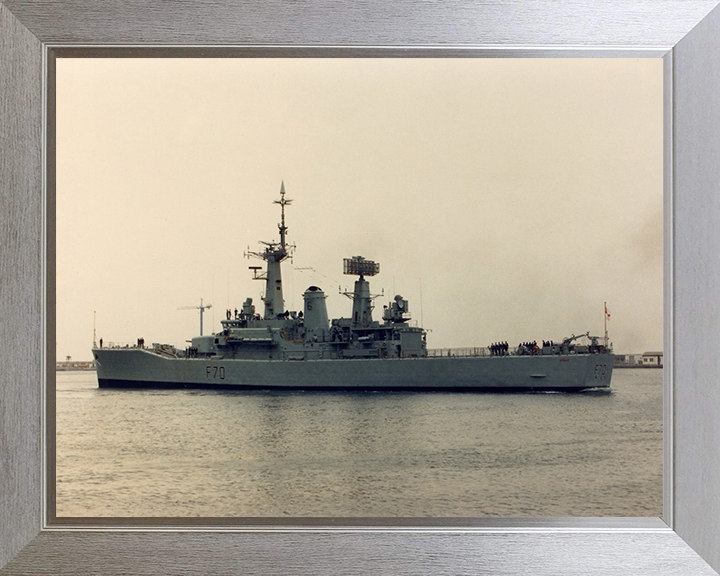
(144, 368)
(304, 349)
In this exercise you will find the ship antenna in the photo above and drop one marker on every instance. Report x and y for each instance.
(283, 201)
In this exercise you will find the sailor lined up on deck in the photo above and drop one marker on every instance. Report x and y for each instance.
(499, 349)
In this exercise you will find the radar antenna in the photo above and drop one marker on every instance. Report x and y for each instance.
(358, 265)
(361, 297)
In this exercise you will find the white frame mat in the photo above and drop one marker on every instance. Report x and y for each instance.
(686, 541)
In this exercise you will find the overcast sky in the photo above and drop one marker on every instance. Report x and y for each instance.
(506, 199)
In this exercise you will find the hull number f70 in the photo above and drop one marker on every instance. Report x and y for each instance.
(215, 372)
(600, 371)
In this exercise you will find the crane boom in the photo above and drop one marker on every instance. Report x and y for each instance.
(202, 308)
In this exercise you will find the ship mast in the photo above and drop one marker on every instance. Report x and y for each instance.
(281, 226)
(274, 254)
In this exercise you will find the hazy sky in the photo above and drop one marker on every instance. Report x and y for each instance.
(506, 199)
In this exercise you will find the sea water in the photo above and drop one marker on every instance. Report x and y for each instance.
(189, 453)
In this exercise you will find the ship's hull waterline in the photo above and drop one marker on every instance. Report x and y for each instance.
(142, 368)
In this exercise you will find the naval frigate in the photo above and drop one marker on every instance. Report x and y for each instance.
(306, 350)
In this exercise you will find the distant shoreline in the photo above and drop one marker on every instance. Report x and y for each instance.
(75, 366)
(640, 366)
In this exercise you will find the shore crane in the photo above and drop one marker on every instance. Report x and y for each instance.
(202, 308)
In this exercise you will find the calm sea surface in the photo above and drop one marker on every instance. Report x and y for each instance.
(218, 453)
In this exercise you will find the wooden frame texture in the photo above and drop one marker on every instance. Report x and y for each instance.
(685, 33)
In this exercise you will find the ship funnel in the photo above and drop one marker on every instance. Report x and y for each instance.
(315, 309)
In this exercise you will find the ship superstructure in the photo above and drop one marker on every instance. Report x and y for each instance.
(307, 350)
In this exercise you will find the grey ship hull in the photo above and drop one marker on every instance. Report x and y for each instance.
(143, 368)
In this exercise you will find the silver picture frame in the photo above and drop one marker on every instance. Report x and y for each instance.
(685, 33)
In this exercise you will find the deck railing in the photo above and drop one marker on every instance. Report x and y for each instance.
(125, 345)
(457, 352)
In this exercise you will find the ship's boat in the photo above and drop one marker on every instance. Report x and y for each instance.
(307, 350)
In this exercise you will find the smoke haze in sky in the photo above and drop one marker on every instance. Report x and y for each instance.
(506, 199)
